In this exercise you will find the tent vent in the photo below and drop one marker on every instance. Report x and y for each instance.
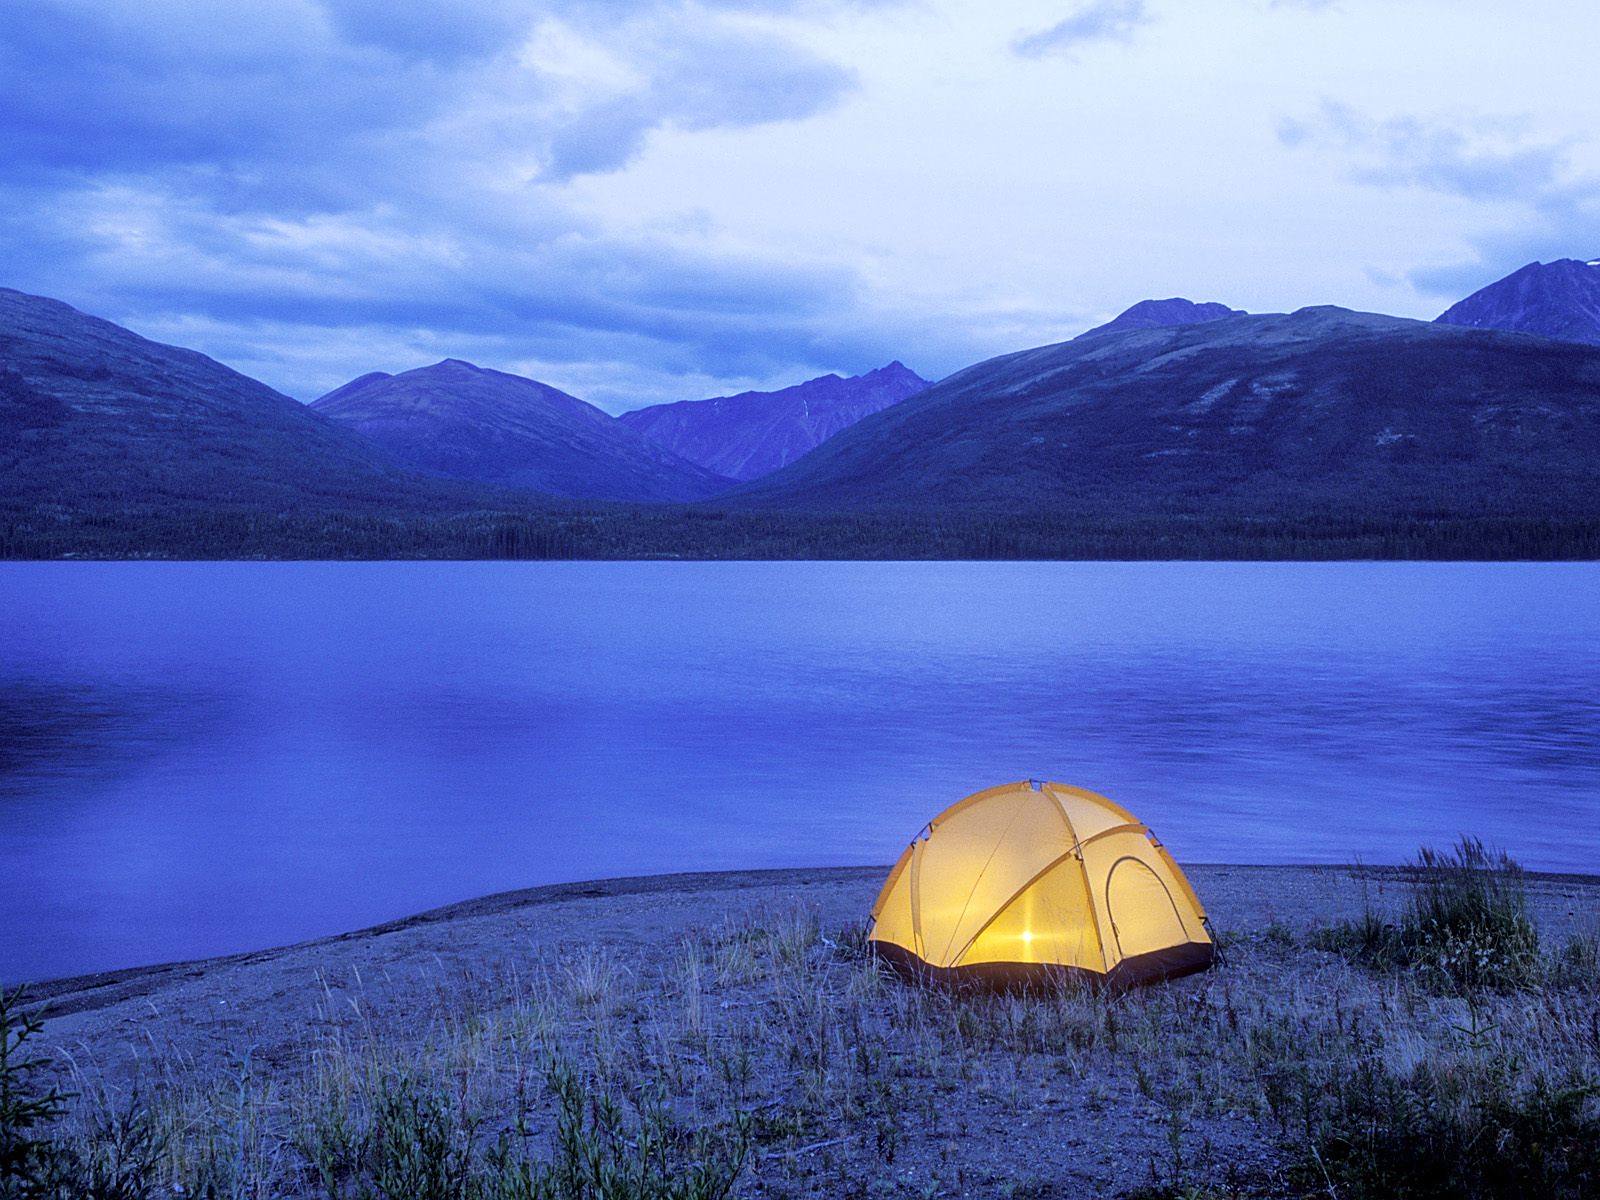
(1036, 784)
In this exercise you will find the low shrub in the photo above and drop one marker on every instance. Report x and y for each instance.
(416, 1144)
(29, 1161)
(123, 1157)
(1469, 919)
(1466, 926)
(1577, 964)
(1472, 1130)
(1369, 940)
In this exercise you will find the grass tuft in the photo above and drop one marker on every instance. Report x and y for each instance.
(1466, 927)
(1476, 1128)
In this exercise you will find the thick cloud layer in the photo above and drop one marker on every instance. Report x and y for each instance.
(641, 200)
(337, 164)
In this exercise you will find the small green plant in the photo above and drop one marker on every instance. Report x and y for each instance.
(29, 1158)
(1465, 1129)
(1577, 965)
(594, 978)
(849, 942)
(121, 1157)
(414, 1144)
(599, 1156)
(1369, 940)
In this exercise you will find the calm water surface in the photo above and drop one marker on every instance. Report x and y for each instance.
(198, 758)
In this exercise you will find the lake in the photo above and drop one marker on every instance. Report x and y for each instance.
(206, 757)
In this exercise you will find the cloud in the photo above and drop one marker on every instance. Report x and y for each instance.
(437, 30)
(626, 192)
(317, 165)
(120, 87)
(1540, 206)
(716, 78)
(1098, 21)
(1480, 158)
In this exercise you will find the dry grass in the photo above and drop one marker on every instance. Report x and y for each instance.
(773, 1059)
(1466, 929)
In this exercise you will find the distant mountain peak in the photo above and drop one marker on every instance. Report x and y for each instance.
(1317, 410)
(457, 419)
(1163, 314)
(359, 382)
(1559, 300)
(98, 418)
(752, 434)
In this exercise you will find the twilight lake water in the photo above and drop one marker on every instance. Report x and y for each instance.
(199, 758)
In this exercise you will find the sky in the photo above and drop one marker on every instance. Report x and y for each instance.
(641, 201)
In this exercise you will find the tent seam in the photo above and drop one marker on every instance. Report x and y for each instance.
(1083, 867)
(979, 879)
(1073, 851)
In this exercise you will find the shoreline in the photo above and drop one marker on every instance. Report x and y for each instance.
(58, 994)
(69, 994)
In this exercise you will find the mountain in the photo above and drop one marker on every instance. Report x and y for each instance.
(1558, 300)
(1163, 314)
(754, 433)
(1321, 411)
(462, 421)
(95, 418)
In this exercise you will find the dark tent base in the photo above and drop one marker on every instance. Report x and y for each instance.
(1153, 967)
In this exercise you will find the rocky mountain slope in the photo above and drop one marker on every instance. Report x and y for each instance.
(755, 433)
(94, 417)
(459, 420)
(1559, 300)
(1323, 410)
(1162, 314)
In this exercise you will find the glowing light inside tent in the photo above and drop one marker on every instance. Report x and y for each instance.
(1015, 876)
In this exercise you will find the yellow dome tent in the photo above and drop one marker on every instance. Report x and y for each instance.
(1031, 880)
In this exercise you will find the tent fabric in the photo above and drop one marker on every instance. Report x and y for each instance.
(1029, 881)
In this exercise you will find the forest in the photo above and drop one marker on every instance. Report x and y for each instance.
(710, 533)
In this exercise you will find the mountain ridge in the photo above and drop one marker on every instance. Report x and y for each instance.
(750, 434)
(462, 421)
(95, 414)
(1314, 434)
(1559, 300)
(1315, 410)
(1164, 314)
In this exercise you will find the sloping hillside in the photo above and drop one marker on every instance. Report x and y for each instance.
(755, 433)
(1323, 410)
(1559, 300)
(94, 418)
(459, 420)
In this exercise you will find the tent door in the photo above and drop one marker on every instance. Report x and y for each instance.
(1143, 914)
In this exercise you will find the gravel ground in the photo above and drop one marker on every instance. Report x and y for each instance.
(996, 1120)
